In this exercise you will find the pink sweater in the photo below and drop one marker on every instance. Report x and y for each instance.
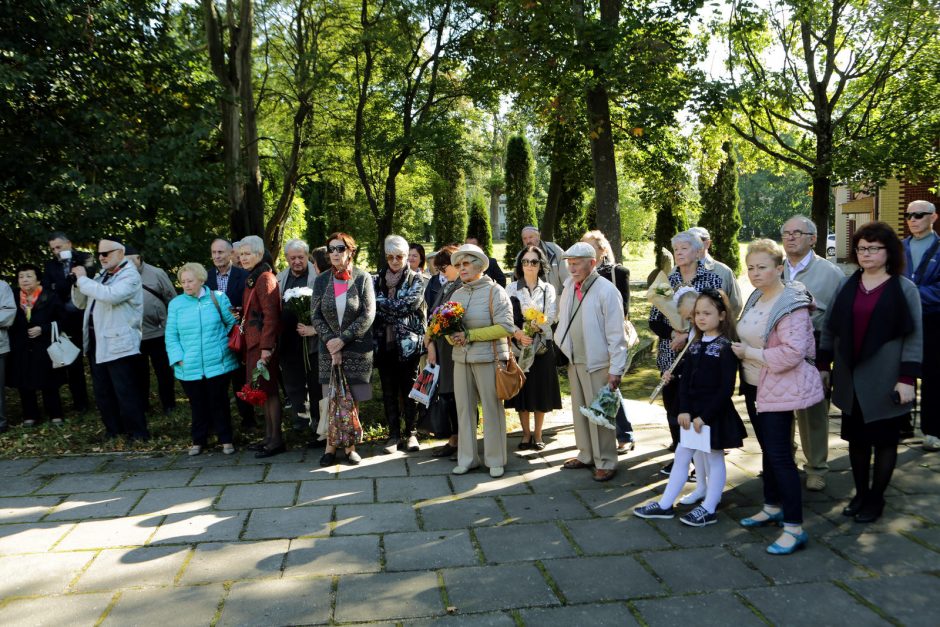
(788, 381)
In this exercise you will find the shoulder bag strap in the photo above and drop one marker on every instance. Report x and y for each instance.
(55, 331)
(575, 313)
(492, 322)
(217, 307)
(155, 293)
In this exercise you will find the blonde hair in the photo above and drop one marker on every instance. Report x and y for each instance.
(196, 269)
(607, 252)
(767, 246)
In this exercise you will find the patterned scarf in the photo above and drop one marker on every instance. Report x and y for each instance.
(392, 280)
(28, 301)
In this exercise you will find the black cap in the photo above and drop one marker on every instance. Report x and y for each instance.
(111, 238)
(130, 250)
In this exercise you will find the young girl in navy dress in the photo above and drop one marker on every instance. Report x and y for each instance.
(706, 387)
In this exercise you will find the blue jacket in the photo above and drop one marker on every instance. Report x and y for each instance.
(926, 277)
(197, 338)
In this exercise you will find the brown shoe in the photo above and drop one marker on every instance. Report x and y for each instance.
(604, 475)
(574, 463)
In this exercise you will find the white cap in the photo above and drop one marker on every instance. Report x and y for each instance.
(580, 250)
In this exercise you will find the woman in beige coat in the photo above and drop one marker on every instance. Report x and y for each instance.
(488, 323)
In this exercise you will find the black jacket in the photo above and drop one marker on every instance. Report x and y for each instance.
(30, 366)
(235, 289)
(55, 276)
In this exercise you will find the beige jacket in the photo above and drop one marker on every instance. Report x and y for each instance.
(475, 298)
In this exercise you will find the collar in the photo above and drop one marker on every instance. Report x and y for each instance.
(227, 271)
(118, 267)
(800, 266)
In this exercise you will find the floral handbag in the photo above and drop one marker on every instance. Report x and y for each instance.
(344, 427)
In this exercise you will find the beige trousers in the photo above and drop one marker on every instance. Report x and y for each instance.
(475, 383)
(596, 445)
(813, 423)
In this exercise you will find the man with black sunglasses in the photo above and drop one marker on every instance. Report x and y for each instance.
(922, 252)
(114, 310)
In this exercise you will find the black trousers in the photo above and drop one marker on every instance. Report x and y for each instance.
(397, 378)
(301, 385)
(930, 378)
(118, 395)
(75, 372)
(208, 401)
(51, 401)
(153, 352)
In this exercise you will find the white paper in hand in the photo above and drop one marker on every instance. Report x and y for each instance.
(696, 441)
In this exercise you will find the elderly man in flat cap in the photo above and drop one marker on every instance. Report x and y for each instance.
(590, 333)
(114, 310)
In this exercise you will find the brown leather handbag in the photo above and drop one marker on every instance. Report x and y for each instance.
(509, 378)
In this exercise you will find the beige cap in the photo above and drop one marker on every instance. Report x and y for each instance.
(470, 250)
(580, 250)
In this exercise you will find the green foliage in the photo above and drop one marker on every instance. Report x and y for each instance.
(478, 225)
(450, 206)
(519, 186)
(720, 215)
(769, 198)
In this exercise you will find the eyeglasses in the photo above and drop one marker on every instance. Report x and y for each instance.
(916, 216)
(868, 250)
(394, 257)
(105, 253)
(793, 234)
(339, 248)
(531, 262)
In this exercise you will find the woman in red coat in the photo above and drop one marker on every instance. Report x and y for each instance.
(262, 314)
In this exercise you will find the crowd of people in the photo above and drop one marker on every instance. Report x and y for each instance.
(805, 331)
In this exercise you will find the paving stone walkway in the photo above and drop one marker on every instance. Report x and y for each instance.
(231, 540)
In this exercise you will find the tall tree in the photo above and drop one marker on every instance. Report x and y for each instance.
(519, 185)
(719, 198)
(834, 87)
(450, 204)
(478, 225)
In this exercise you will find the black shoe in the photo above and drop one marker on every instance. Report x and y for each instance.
(316, 443)
(665, 470)
(255, 446)
(870, 512)
(524, 446)
(692, 478)
(271, 452)
(328, 459)
(445, 451)
(854, 505)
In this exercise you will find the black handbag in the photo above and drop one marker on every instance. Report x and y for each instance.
(436, 417)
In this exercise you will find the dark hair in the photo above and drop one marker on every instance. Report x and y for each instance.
(883, 234)
(321, 258)
(421, 253)
(346, 238)
(543, 262)
(442, 258)
(718, 298)
(23, 267)
(57, 235)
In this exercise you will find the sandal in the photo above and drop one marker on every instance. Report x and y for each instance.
(575, 463)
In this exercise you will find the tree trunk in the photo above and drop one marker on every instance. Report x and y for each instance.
(550, 218)
(495, 190)
(254, 201)
(822, 184)
(606, 198)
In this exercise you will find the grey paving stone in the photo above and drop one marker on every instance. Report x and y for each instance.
(426, 550)
(906, 598)
(13, 467)
(141, 567)
(218, 561)
(257, 495)
(555, 479)
(384, 596)
(288, 522)
(332, 556)
(615, 535)
(915, 479)
(139, 463)
(228, 475)
(30, 537)
(335, 492)
(167, 606)
(299, 602)
(294, 456)
(110, 532)
(26, 508)
(511, 543)
(192, 527)
(613, 502)
(40, 573)
(410, 489)
(214, 458)
(487, 588)
(460, 513)
(157, 479)
(726, 531)
(82, 482)
(95, 505)
(81, 609)
(925, 506)
(176, 500)
(487, 619)
(810, 604)
(886, 554)
(377, 518)
(21, 485)
(426, 466)
(61, 465)
(479, 483)
(688, 610)
(929, 536)
(543, 507)
(606, 614)
(371, 467)
(813, 563)
(679, 570)
(611, 578)
(297, 472)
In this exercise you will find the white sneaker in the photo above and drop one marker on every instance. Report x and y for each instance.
(931, 443)
(228, 449)
(692, 498)
(194, 450)
(460, 470)
(496, 472)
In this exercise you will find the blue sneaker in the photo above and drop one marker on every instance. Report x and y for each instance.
(653, 510)
(772, 519)
(699, 517)
(801, 539)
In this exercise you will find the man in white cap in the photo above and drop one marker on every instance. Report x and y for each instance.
(729, 282)
(590, 333)
(557, 271)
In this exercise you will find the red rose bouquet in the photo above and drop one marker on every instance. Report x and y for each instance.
(250, 393)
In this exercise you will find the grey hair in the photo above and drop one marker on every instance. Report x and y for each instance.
(607, 251)
(396, 244)
(253, 243)
(476, 263)
(296, 244)
(808, 224)
(924, 205)
(229, 244)
(691, 239)
(701, 231)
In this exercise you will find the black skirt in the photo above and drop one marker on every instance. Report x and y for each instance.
(874, 433)
(541, 391)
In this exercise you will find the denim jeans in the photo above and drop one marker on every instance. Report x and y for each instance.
(774, 430)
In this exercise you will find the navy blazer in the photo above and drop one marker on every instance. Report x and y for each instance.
(235, 289)
(55, 278)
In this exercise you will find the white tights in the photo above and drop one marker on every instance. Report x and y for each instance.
(715, 465)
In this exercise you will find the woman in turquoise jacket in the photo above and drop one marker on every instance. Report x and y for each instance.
(197, 326)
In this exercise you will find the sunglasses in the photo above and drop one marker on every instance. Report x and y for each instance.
(394, 257)
(916, 216)
(531, 262)
(339, 248)
(105, 253)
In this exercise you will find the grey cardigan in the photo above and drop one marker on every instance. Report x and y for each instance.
(872, 379)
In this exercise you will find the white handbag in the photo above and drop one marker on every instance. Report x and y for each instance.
(62, 351)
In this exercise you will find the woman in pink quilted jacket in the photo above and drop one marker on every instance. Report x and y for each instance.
(777, 351)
